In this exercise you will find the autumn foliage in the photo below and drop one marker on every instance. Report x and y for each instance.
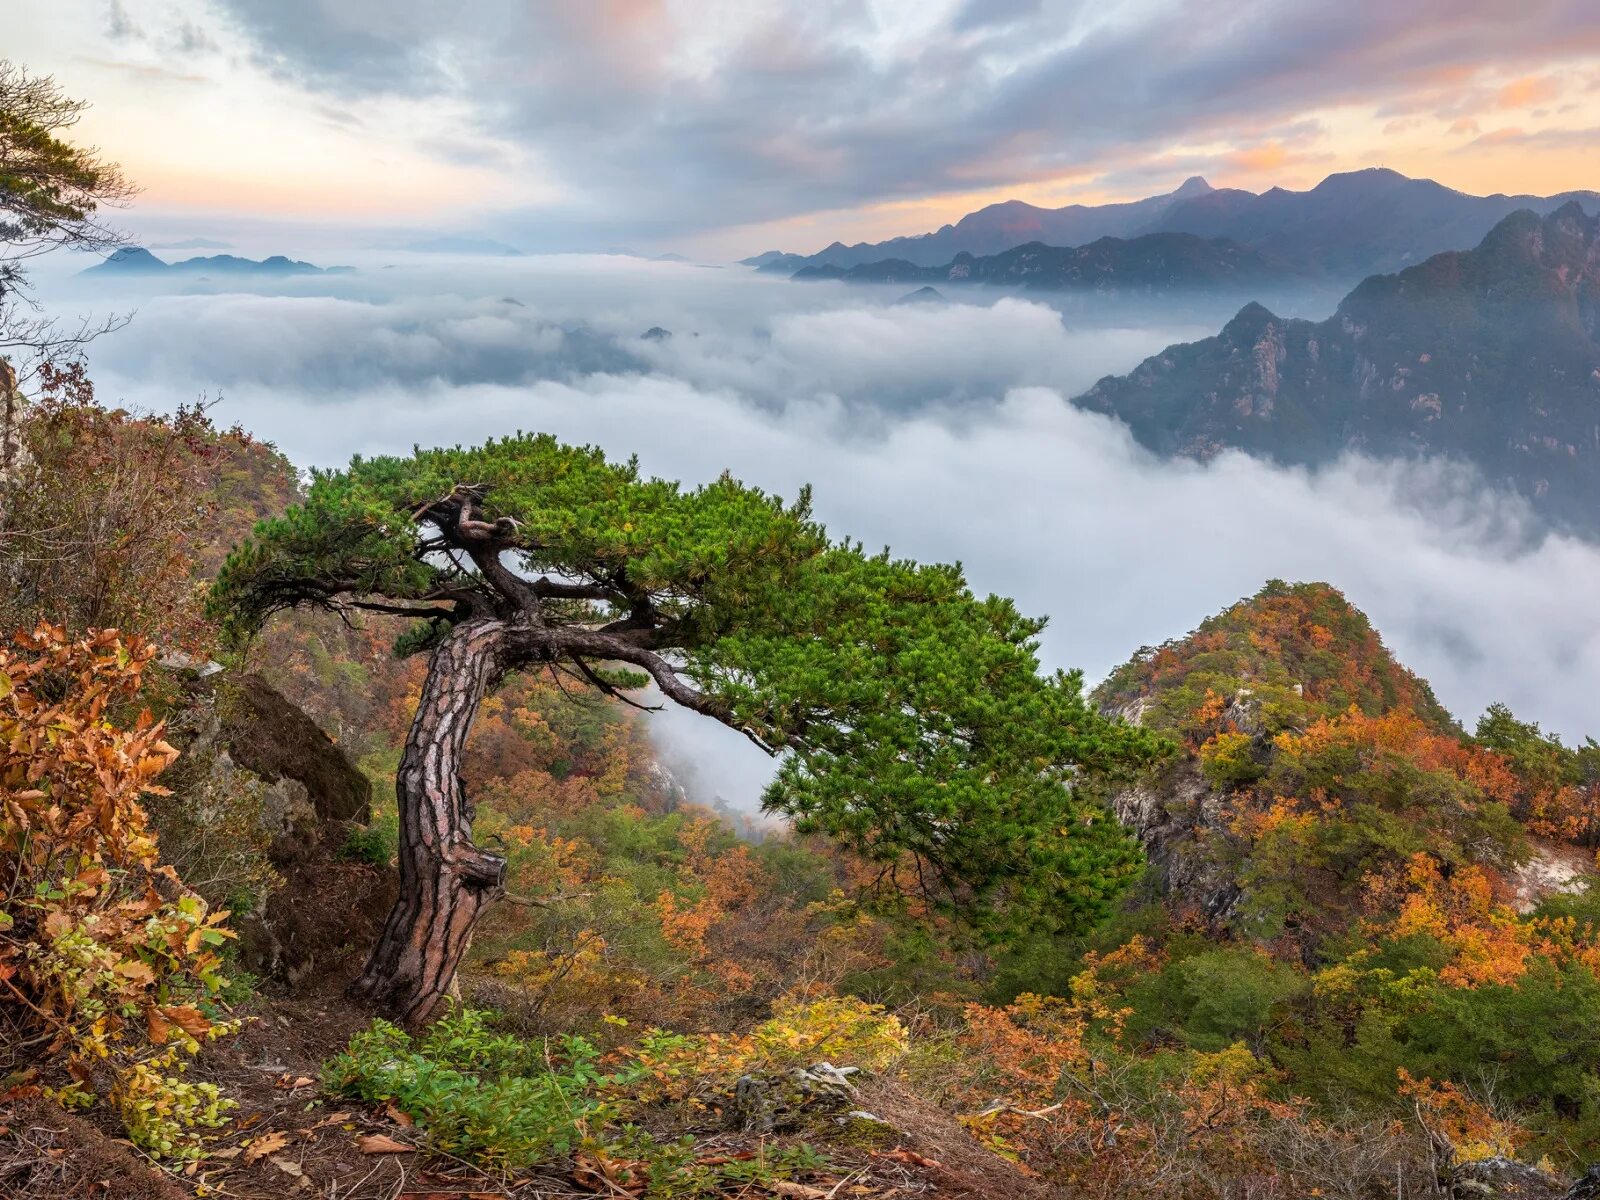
(110, 963)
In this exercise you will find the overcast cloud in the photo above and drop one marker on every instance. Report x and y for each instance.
(943, 432)
(664, 117)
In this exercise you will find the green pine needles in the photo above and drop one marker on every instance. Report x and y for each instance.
(911, 715)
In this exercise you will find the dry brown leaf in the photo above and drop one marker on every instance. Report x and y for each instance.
(230, 1152)
(395, 1115)
(611, 1176)
(187, 1018)
(901, 1154)
(158, 1027)
(264, 1145)
(331, 1119)
(377, 1143)
(287, 1165)
(797, 1191)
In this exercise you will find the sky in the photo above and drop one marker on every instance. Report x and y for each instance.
(723, 127)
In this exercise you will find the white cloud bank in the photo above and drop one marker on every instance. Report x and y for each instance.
(944, 433)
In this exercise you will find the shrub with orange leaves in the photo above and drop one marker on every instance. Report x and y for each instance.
(1463, 1128)
(1072, 1105)
(108, 961)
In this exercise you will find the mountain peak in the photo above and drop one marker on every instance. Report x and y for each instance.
(1366, 177)
(1195, 185)
(1299, 649)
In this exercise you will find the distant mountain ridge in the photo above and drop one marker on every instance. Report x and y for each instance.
(1490, 355)
(1357, 223)
(136, 260)
(1153, 264)
(1349, 226)
(994, 229)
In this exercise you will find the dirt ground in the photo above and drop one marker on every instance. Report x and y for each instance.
(288, 1139)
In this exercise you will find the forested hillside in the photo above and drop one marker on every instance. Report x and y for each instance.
(1488, 356)
(1362, 949)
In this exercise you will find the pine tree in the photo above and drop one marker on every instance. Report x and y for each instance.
(911, 717)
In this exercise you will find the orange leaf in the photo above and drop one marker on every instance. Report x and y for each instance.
(187, 1018)
(900, 1154)
(137, 971)
(377, 1143)
(159, 1027)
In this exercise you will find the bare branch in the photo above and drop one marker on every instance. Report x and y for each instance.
(544, 901)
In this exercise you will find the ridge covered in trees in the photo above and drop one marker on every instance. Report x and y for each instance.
(1489, 356)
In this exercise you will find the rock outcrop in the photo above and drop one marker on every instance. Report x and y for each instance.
(1490, 356)
(268, 778)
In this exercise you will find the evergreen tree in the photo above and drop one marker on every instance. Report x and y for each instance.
(911, 717)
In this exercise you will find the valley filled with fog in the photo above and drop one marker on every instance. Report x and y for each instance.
(943, 431)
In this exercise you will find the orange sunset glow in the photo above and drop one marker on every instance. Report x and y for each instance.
(226, 128)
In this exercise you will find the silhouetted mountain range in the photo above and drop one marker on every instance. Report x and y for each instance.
(994, 229)
(1348, 226)
(1489, 355)
(136, 260)
(1154, 264)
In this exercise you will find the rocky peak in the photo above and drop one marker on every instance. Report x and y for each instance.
(1273, 663)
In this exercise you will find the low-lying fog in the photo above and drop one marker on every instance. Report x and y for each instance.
(942, 431)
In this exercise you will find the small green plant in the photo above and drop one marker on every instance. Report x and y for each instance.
(676, 1170)
(776, 1163)
(164, 1113)
(475, 1093)
(368, 844)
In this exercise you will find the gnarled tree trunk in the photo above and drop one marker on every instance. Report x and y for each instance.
(445, 881)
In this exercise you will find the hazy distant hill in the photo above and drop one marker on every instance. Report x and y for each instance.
(136, 260)
(994, 229)
(1345, 228)
(1490, 355)
(1152, 264)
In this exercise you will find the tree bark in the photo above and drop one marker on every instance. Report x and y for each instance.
(445, 880)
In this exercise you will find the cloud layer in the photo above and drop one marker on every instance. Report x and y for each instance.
(675, 116)
(941, 432)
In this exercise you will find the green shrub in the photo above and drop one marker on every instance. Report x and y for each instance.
(368, 844)
(476, 1094)
(1212, 999)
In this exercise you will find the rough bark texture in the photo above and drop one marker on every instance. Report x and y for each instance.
(445, 880)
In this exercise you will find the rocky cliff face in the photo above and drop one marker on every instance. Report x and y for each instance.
(1489, 356)
(279, 791)
(240, 728)
(1178, 818)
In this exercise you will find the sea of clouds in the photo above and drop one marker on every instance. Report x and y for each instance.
(944, 432)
